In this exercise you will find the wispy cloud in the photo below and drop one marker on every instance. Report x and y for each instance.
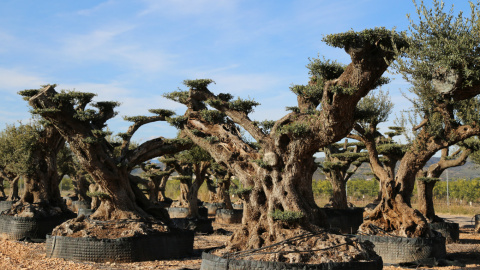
(14, 80)
(113, 44)
(186, 7)
(99, 7)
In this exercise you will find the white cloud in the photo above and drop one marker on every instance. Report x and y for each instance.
(101, 6)
(186, 7)
(113, 44)
(14, 80)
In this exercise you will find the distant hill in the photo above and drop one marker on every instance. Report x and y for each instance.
(468, 171)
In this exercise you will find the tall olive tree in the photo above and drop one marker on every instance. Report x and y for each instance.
(109, 165)
(441, 63)
(277, 170)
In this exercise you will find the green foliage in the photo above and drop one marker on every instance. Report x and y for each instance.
(213, 116)
(322, 187)
(325, 69)
(374, 108)
(178, 121)
(287, 216)
(101, 133)
(28, 93)
(332, 166)
(461, 189)
(295, 129)
(178, 96)
(212, 139)
(101, 195)
(294, 109)
(86, 115)
(428, 179)
(243, 105)
(338, 89)
(265, 125)
(162, 112)
(309, 92)
(66, 184)
(140, 118)
(194, 155)
(378, 37)
(182, 178)
(17, 144)
(198, 84)
(360, 187)
(105, 105)
(225, 97)
(261, 163)
(392, 149)
(355, 187)
(91, 140)
(241, 191)
(443, 44)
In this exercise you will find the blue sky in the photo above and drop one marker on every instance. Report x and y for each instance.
(134, 51)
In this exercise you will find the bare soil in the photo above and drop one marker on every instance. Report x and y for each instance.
(22, 255)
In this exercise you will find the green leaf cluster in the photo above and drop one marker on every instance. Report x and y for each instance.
(287, 216)
(213, 116)
(295, 129)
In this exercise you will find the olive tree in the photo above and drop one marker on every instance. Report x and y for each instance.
(426, 179)
(277, 169)
(441, 63)
(109, 166)
(30, 151)
(342, 160)
(191, 166)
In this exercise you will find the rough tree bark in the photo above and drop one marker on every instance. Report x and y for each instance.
(82, 128)
(220, 192)
(13, 179)
(394, 214)
(427, 180)
(41, 197)
(13, 195)
(278, 178)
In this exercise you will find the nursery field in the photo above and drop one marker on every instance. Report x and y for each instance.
(23, 255)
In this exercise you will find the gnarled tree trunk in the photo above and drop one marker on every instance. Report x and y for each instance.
(425, 198)
(13, 195)
(41, 197)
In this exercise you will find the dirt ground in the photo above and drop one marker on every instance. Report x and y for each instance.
(22, 255)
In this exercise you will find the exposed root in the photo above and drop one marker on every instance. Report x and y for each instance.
(395, 218)
(310, 248)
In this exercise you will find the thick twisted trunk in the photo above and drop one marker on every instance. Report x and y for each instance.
(81, 186)
(425, 199)
(222, 192)
(339, 196)
(13, 195)
(41, 196)
(287, 192)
